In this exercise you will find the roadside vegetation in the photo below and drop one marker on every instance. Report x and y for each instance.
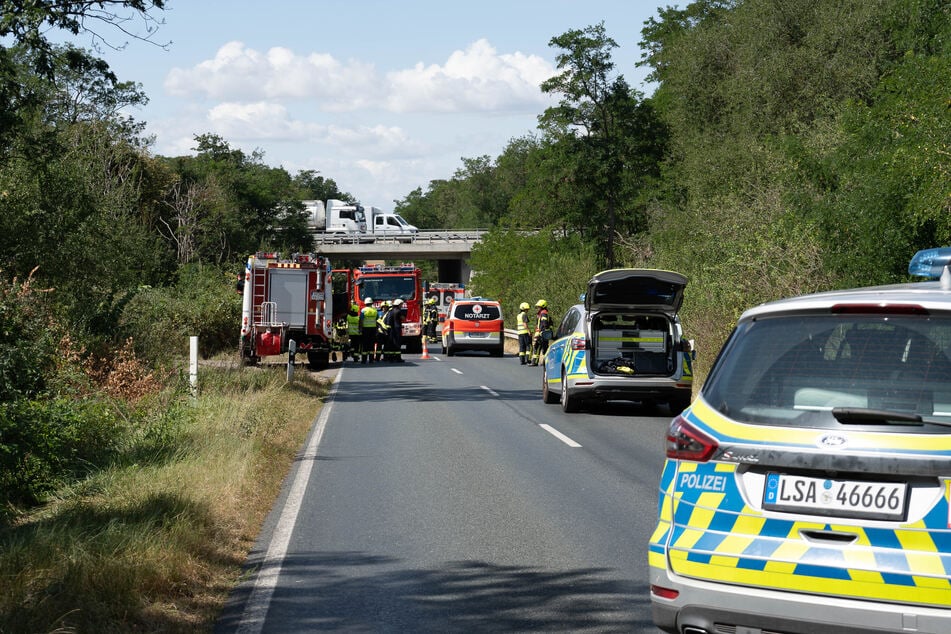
(786, 147)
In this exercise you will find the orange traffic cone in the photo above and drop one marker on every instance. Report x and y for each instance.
(425, 349)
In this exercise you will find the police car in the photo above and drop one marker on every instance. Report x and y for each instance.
(473, 324)
(807, 488)
(625, 342)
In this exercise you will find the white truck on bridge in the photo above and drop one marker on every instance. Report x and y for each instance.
(336, 217)
(381, 224)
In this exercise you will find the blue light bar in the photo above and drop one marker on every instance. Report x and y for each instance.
(930, 263)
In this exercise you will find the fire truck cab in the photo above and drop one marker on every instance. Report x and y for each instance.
(404, 281)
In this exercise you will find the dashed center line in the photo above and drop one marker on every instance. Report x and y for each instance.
(551, 430)
(560, 436)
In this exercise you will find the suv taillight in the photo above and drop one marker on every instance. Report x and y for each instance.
(577, 343)
(685, 442)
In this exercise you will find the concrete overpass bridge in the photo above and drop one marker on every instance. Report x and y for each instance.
(450, 249)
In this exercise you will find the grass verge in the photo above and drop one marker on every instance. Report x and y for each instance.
(156, 541)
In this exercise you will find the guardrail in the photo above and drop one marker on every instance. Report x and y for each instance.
(423, 237)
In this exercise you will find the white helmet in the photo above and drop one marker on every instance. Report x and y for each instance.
(397, 302)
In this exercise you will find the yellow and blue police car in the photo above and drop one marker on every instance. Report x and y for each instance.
(625, 342)
(807, 489)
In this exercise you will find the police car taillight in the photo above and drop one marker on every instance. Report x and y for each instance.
(577, 343)
(686, 442)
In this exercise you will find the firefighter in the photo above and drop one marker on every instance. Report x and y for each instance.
(368, 319)
(394, 327)
(543, 332)
(340, 340)
(524, 335)
(354, 335)
(431, 319)
(383, 332)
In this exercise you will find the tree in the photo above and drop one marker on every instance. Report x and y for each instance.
(23, 28)
(611, 141)
(227, 204)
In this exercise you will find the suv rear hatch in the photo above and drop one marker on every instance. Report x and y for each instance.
(631, 321)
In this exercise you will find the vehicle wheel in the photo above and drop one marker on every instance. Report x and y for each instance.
(548, 396)
(678, 404)
(569, 403)
(444, 349)
(499, 352)
(317, 360)
(450, 349)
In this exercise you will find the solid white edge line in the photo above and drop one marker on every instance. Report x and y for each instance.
(557, 434)
(255, 610)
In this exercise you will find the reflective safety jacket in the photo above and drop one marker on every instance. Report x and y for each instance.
(543, 321)
(522, 323)
(353, 323)
(368, 317)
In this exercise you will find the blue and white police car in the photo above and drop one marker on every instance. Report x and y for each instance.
(625, 342)
(807, 489)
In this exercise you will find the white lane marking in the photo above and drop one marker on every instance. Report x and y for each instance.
(255, 610)
(489, 390)
(560, 436)
(457, 371)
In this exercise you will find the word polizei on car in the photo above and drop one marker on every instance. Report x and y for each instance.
(808, 487)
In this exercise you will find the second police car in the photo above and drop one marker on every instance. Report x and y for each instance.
(808, 487)
(625, 342)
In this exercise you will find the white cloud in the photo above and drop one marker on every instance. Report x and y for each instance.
(476, 79)
(241, 73)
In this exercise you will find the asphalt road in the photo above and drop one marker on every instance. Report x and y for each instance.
(442, 495)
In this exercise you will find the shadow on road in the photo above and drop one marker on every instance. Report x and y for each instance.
(357, 592)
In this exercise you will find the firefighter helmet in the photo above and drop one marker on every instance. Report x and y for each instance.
(541, 304)
(367, 301)
(431, 300)
(524, 306)
(397, 302)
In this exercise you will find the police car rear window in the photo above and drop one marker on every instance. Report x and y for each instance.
(796, 369)
(477, 312)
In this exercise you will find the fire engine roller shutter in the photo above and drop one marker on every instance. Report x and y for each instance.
(289, 292)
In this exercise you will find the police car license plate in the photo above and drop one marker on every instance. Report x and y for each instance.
(843, 498)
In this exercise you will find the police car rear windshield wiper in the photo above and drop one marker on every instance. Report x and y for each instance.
(860, 415)
(870, 416)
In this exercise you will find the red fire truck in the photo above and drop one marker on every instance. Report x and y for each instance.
(403, 281)
(284, 300)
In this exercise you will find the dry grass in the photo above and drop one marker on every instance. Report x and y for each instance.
(157, 545)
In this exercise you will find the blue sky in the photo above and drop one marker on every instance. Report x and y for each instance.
(381, 96)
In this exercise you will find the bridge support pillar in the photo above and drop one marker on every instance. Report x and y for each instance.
(454, 271)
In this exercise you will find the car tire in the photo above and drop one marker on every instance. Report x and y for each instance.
(548, 397)
(317, 360)
(450, 349)
(569, 403)
(498, 352)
